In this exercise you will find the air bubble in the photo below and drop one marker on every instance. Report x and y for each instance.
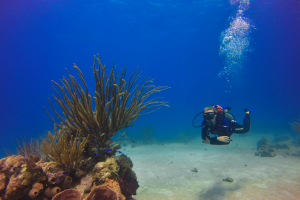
(235, 41)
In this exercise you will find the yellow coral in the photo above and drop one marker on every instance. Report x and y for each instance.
(64, 148)
(118, 104)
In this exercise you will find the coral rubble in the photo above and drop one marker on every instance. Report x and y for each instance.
(228, 179)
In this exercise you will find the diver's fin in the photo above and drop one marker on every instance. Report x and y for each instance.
(250, 111)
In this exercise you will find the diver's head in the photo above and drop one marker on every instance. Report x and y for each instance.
(209, 114)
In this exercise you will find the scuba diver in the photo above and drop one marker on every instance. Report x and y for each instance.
(218, 121)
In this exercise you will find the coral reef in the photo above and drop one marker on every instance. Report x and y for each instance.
(109, 190)
(128, 183)
(27, 148)
(54, 172)
(118, 104)
(262, 144)
(22, 178)
(282, 144)
(18, 174)
(51, 191)
(107, 169)
(268, 153)
(68, 195)
(3, 182)
(66, 183)
(264, 149)
(278, 138)
(67, 150)
(124, 162)
(37, 188)
(114, 185)
(103, 193)
(81, 161)
(85, 184)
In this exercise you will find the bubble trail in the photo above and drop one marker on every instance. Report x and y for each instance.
(235, 41)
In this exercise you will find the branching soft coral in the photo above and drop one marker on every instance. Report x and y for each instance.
(27, 148)
(64, 148)
(117, 104)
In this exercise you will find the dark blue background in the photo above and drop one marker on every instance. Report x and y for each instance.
(175, 42)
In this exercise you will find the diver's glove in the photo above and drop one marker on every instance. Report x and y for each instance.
(247, 111)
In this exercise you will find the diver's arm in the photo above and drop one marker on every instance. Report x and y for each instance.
(218, 140)
(223, 134)
(206, 139)
(245, 128)
(205, 135)
(222, 139)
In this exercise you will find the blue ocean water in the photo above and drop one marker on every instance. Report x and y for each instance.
(174, 41)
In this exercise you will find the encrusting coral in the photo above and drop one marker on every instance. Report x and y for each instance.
(20, 180)
(128, 183)
(124, 162)
(102, 192)
(3, 182)
(17, 175)
(54, 172)
(66, 183)
(107, 169)
(113, 184)
(111, 191)
(118, 104)
(67, 150)
(68, 195)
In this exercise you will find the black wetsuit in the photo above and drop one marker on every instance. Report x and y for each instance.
(224, 128)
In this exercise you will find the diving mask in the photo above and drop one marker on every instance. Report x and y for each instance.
(208, 115)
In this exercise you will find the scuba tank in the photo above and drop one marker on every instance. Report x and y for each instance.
(223, 112)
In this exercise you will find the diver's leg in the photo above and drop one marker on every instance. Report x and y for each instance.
(245, 128)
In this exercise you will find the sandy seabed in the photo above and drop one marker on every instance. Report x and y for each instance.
(164, 172)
